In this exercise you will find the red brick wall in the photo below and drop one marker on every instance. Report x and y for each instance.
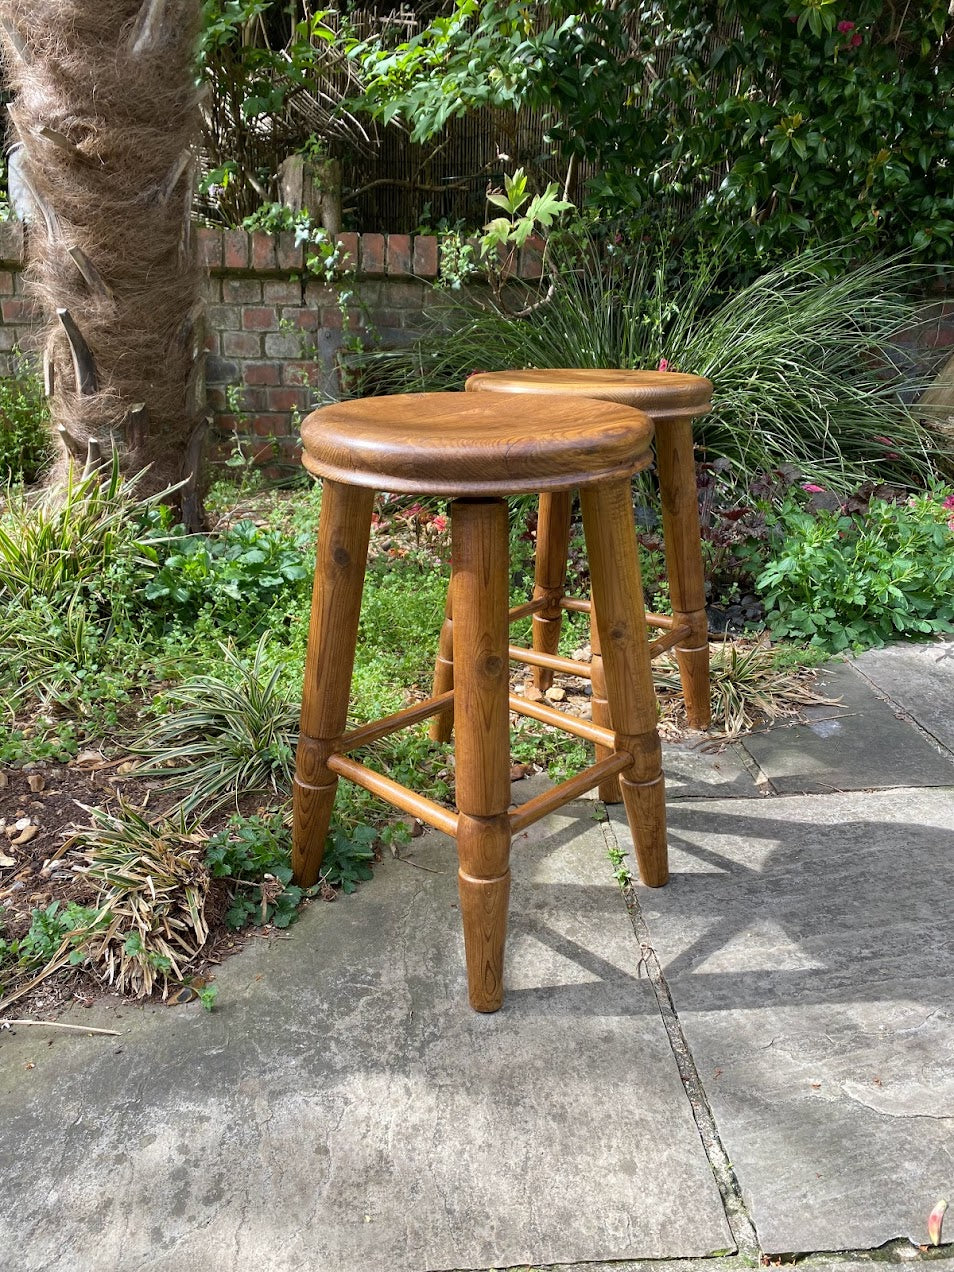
(273, 335)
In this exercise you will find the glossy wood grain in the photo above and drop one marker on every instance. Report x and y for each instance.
(343, 535)
(553, 547)
(481, 582)
(474, 444)
(661, 394)
(671, 399)
(618, 605)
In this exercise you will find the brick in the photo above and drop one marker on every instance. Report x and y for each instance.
(531, 258)
(302, 319)
(288, 399)
(425, 255)
(221, 371)
(399, 295)
(241, 344)
(348, 251)
(283, 345)
(265, 319)
(331, 319)
(318, 294)
(17, 310)
(209, 247)
(254, 399)
(302, 374)
(290, 256)
(210, 288)
(236, 249)
(263, 251)
(372, 254)
(270, 425)
(216, 398)
(8, 339)
(224, 317)
(399, 254)
(211, 340)
(7, 283)
(11, 241)
(242, 291)
(265, 373)
(282, 293)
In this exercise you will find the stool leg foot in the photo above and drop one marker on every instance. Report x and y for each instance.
(618, 602)
(482, 719)
(675, 460)
(343, 534)
(609, 791)
(553, 547)
(442, 726)
(483, 844)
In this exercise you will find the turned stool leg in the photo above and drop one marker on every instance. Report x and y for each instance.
(609, 791)
(482, 720)
(675, 460)
(343, 535)
(553, 548)
(618, 602)
(442, 726)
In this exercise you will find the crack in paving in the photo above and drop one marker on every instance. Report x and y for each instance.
(740, 1223)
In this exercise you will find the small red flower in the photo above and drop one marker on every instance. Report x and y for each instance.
(663, 365)
(856, 40)
(813, 490)
(948, 502)
(845, 27)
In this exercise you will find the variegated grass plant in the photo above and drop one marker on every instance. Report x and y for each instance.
(153, 886)
(222, 738)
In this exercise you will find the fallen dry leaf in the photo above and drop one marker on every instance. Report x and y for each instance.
(89, 759)
(6, 861)
(25, 835)
(36, 782)
(935, 1220)
(4, 781)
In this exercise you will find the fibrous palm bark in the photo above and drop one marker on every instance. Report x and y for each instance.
(106, 111)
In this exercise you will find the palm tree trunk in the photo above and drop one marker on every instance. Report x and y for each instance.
(106, 113)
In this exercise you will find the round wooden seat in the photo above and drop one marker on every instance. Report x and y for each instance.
(661, 394)
(455, 444)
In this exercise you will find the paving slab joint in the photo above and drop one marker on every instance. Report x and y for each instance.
(901, 713)
(737, 1216)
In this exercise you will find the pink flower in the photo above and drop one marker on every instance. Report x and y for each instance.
(663, 365)
(813, 490)
(845, 27)
(888, 441)
(948, 502)
(439, 523)
(856, 40)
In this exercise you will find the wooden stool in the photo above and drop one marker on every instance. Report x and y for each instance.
(475, 449)
(671, 400)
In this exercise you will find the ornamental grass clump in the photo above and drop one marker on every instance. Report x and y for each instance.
(224, 739)
(804, 359)
(153, 888)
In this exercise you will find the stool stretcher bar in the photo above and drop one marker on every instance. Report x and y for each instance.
(585, 607)
(408, 801)
(560, 720)
(662, 643)
(529, 607)
(567, 665)
(367, 733)
(584, 781)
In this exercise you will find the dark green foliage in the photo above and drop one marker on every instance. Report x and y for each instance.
(349, 858)
(255, 853)
(26, 446)
(854, 581)
(233, 578)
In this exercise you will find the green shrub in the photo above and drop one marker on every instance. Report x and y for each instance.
(255, 854)
(803, 358)
(841, 581)
(26, 445)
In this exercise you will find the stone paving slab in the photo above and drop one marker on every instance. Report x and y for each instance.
(343, 1110)
(857, 744)
(809, 950)
(920, 679)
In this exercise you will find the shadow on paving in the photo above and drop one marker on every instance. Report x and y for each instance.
(344, 1110)
(809, 951)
